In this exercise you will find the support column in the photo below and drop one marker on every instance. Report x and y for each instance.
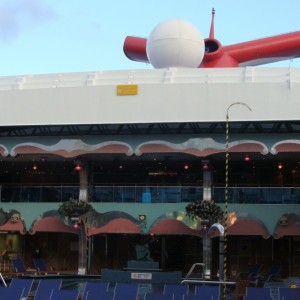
(83, 248)
(83, 180)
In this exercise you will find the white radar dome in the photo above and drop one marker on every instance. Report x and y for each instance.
(175, 43)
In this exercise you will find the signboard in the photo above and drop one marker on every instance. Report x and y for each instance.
(127, 89)
(141, 276)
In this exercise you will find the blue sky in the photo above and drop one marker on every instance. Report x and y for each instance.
(58, 36)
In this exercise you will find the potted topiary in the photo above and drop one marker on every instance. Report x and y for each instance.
(205, 210)
(74, 208)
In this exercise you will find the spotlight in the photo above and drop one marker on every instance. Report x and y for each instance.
(280, 166)
(247, 158)
(186, 167)
(205, 166)
(77, 167)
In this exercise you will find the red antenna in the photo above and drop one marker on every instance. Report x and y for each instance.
(212, 26)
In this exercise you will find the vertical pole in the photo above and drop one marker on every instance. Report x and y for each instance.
(224, 240)
(226, 193)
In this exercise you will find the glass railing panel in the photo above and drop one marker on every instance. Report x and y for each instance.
(259, 195)
(103, 194)
(69, 192)
(10, 194)
(151, 194)
(124, 194)
(39, 194)
(191, 193)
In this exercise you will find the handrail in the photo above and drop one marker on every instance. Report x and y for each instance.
(192, 269)
(208, 281)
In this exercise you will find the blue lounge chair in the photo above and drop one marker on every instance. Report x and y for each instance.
(254, 271)
(126, 289)
(196, 297)
(64, 295)
(289, 293)
(97, 288)
(258, 293)
(177, 290)
(210, 291)
(7, 293)
(94, 295)
(273, 273)
(23, 284)
(19, 268)
(159, 297)
(39, 264)
(46, 287)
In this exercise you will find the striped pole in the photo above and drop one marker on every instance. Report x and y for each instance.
(226, 193)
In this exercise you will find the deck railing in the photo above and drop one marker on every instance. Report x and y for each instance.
(150, 194)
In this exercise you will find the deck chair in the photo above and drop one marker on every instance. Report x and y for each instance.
(126, 289)
(24, 284)
(19, 268)
(258, 293)
(64, 295)
(94, 295)
(46, 287)
(273, 273)
(98, 288)
(211, 291)
(40, 264)
(254, 271)
(289, 293)
(7, 293)
(159, 297)
(177, 290)
(197, 297)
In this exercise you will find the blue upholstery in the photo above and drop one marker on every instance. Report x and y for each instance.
(95, 288)
(126, 289)
(211, 291)
(64, 295)
(159, 297)
(258, 293)
(46, 287)
(289, 293)
(24, 284)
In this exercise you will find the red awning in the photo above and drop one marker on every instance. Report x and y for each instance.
(173, 226)
(119, 225)
(287, 225)
(248, 226)
(14, 226)
(52, 224)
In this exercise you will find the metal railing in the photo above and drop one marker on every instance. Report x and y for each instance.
(151, 194)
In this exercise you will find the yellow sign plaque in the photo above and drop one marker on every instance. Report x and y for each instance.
(127, 89)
